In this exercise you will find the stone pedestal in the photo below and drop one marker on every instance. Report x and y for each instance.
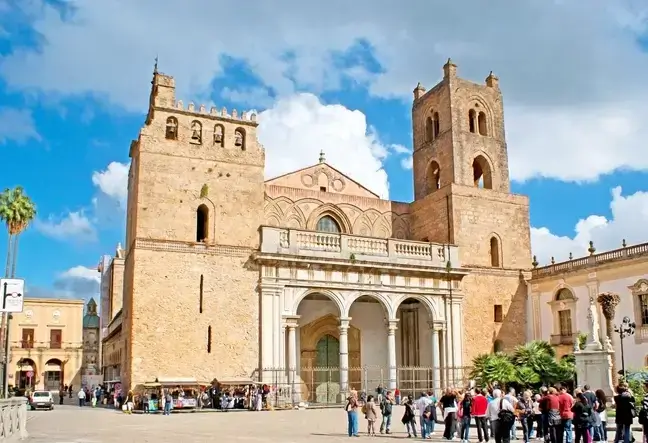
(594, 368)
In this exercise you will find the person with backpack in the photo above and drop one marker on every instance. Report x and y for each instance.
(582, 418)
(502, 416)
(386, 406)
(409, 418)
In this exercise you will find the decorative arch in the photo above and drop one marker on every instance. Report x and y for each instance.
(472, 121)
(202, 224)
(53, 377)
(196, 132)
(482, 123)
(294, 217)
(482, 169)
(564, 294)
(334, 296)
(332, 210)
(431, 305)
(495, 250)
(433, 175)
(390, 312)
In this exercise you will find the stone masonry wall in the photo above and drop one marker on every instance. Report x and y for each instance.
(116, 286)
(169, 335)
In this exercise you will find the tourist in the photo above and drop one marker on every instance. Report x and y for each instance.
(62, 393)
(465, 408)
(423, 405)
(554, 420)
(409, 418)
(499, 419)
(82, 397)
(145, 403)
(371, 414)
(397, 396)
(526, 415)
(93, 398)
(448, 403)
(479, 409)
(582, 415)
(386, 407)
(599, 429)
(168, 402)
(537, 418)
(70, 391)
(565, 404)
(129, 402)
(514, 401)
(351, 409)
(625, 412)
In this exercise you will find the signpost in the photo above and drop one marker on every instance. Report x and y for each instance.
(13, 291)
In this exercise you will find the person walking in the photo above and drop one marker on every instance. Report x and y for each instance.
(81, 395)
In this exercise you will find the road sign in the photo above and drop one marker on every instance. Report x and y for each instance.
(30, 374)
(12, 290)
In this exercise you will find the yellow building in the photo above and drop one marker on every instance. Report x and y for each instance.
(46, 344)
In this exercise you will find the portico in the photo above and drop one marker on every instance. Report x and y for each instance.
(330, 324)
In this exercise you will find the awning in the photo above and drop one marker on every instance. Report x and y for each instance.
(182, 381)
(25, 368)
(237, 382)
(52, 367)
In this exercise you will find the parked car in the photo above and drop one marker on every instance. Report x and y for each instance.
(41, 400)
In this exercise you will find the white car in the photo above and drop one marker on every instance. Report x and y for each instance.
(41, 400)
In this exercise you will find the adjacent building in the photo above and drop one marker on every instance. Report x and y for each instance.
(310, 277)
(560, 295)
(47, 344)
(91, 370)
(111, 269)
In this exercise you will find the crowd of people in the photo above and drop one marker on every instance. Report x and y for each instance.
(552, 415)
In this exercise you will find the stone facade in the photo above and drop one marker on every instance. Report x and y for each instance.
(560, 295)
(47, 344)
(227, 275)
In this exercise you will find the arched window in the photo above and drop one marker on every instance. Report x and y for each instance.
(429, 129)
(434, 176)
(171, 128)
(196, 132)
(328, 224)
(472, 120)
(202, 223)
(481, 119)
(482, 175)
(239, 138)
(564, 294)
(495, 252)
(219, 135)
(437, 126)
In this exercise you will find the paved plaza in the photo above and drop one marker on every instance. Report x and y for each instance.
(71, 424)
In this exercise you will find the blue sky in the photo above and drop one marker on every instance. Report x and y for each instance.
(75, 76)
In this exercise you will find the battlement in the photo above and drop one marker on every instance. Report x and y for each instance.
(247, 116)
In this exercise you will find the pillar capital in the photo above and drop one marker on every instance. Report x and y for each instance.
(291, 321)
(436, 326)
(392, 325)
(345, 322)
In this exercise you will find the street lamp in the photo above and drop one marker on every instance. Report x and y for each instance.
(625, 329)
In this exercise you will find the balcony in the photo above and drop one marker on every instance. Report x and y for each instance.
(42, 345)
(354, 247)
(560, 339)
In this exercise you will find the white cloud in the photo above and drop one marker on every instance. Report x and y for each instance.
(560, 81)
(297, 128)
(258, 97)
(74, 225)
(113, 182)
(628, 221)
(79, 282)
(17, 125)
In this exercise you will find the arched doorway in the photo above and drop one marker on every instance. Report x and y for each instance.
(26, 373)
(53, 374)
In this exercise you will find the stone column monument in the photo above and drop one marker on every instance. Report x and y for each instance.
(594, 363)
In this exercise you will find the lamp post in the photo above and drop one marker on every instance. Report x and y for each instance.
(625, 329)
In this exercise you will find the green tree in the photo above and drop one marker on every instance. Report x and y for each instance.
(17, 211)
(493, 368)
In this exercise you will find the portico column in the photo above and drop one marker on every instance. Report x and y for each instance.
(344, 356)
(436, 359)
(391, 353)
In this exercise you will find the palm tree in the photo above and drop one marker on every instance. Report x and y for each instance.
(609, 301)
(17, 211)
(493, 368)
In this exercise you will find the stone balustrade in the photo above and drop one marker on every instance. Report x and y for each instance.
(13, 413)
(353, 247)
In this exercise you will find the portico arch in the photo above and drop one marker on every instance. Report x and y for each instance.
(430, 306)
(25, 368)
(390, 312)
(320, 294)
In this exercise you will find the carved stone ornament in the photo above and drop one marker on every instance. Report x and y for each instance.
(336, 181)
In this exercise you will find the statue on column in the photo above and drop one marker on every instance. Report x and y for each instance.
(593, 340)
